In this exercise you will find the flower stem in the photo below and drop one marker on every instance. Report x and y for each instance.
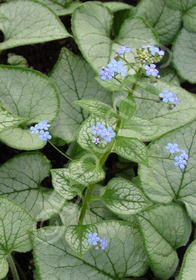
(161, 157)
(131, 90)
(87, 199)
(154, 100)
(13, 267)
(63, 154)
(85, 203)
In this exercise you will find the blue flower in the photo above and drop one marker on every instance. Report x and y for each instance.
(106, 73)
(117, 67)
(180, 162)
(151, 70)
(44, 135)
(155, 50)
(114, 65)
(35, 129)
(166, 96)
(43, 125)
(97, 129)
(175, 98)
(107, 134)
(103, 243)
(161, 53)
(122, 70)
(122, 50)
(172, 148)
(184, 155)
(93, 238)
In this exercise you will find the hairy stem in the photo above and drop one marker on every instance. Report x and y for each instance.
(13, 267)
(91, 186)
(63, 154)
(85, 203)
(162, 157)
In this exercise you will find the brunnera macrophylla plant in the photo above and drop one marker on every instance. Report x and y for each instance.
(99, 220)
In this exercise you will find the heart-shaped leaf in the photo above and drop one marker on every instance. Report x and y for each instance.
(131, 148)
(61, 7)
(165, 21)
(188, 268)
(182, 5)
(96, 107)
(77, 238)
(30, 95)
(75, 81)
(164, 182)
(85, 137)
(123, 257)
(93, 36)
(15, 224)
(189, 19)
(164, 229)
(85, 173)
(117, 6)
(123, 197)
(29, 22)
(20, 180)
(184, 55)
(162, 120)
(8, 120)
(62, 185)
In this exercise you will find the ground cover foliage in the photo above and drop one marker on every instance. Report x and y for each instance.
(97, 131)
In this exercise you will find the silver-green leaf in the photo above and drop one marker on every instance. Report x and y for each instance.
(184, 55)
(162, 181)
(30, 95)
(15, 224)
(124, 256)
(74, 79)
(182, 5)
(165, 21)
(161, 120)
(85, 173)
(20, 180)
(123, 197)
(93, 36)
(8, 120)
(62, 185)
(29, 22)
(164, 229)
(188, 268)
(131, 148)
(77, 238)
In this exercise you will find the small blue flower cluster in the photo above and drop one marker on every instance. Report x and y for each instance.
(100, 132)
(41, 128)
(169, 97)
(180, 160)
(94, 239)
(115, 66)
(145, 58)
(154, 50)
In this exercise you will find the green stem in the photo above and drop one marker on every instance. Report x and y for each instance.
(154, 100)
(63, 154)
(85, 203)
(161, 157)
(95, 198)
(91, 186)
(131, 90)
(13, 267)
